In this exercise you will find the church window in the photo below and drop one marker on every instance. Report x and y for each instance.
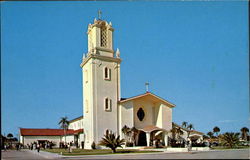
(140, 114)
(86, 76)
(87, 106)
(103, 37)
(107, 104)
(107, 73)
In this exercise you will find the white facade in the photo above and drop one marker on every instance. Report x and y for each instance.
(101, 87)
(76, 124)
(102, 107)
(31, 139)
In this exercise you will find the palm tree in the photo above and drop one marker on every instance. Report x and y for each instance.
(184, 124)
(244, 131)
(179, 132)
(111, 141)
(126, 131)
(190, 127)
(134, 134)
(10, 135)
(210, 134)
(174, 132)
(230, 139)
(216, 130)
(64, 124)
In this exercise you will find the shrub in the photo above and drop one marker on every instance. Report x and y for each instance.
(93, 146)
(111, 141)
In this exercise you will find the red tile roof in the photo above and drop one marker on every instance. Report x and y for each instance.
(47, 132)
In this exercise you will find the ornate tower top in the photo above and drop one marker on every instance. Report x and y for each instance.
(99, 14)
(100, 39)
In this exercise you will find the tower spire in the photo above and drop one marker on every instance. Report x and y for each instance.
(146, 84)
(99, 14)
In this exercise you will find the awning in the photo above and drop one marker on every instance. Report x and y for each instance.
(151, 128)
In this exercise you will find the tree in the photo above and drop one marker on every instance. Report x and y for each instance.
(174, 132)
(127, 132)
(179, 132)
(10, 135)
(244, 131)
(210, 134)
(216, 130)
(111, 141)
(134, 134)
(205, 137)
(184, 124)
(230, 139)
(190, 127)
(64, 124)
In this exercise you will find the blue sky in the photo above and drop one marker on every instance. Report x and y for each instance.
(193, 54)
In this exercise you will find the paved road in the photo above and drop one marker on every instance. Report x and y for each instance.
(223, 154)
(20, 155)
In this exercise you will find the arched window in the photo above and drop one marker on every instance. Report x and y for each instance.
(107, 104)
(107, 73)
(103, 37)
(86, 76)
(86, 106)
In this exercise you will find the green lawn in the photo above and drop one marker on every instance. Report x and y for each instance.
(95, 151)
(224, 147)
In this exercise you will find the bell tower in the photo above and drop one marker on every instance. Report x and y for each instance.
(101, 82)
(100, 38)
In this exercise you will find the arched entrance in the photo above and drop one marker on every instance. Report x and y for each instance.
(142, 139)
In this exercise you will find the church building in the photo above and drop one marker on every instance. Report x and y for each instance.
(103, 106)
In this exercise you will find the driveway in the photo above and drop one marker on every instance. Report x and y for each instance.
(214, 154)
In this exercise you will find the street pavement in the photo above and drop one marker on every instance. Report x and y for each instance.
(214, 154)
(20, 155)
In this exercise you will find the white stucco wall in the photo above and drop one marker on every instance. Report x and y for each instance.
(69, 138)
(126, 116)
(31, 139)
(105, 88)
(96, 119)
(78, 124)
(88, 102)
(148, 108)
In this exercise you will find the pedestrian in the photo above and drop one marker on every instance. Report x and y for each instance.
(5, 147)
(38, 147)
(17, 147)
(70, 149)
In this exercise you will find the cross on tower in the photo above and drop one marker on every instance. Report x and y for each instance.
(99, 14)
(146, 84)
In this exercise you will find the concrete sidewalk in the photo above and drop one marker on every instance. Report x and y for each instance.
(46, 155)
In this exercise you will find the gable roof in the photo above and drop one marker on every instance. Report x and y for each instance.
(185, 129)
(150, 95)
(47, 132)
(176, 125)
(196, 132)
(76, 119)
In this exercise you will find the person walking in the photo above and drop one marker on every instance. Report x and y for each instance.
(38, 147)
(5, 147)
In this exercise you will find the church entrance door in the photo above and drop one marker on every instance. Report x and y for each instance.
(142, 141)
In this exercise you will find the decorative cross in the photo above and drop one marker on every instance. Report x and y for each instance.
(146, 84)
(99, 14)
